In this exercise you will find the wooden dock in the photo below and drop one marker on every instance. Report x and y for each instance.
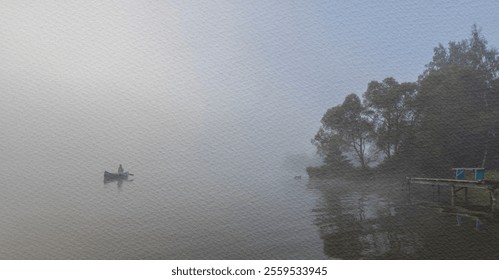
(458, 185)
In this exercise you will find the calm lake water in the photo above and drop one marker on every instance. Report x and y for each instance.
(204, 188)
(157, 217)
(385, 219)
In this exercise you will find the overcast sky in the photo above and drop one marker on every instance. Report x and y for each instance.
(255, 76)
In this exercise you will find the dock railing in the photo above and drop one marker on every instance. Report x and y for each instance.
(460, 183)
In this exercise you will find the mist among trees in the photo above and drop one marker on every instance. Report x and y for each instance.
(448, 118)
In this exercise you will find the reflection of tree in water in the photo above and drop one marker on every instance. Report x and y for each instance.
(378, 221)
(356, 224)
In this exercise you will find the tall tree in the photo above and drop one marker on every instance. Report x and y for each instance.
(450, 130)
(457, 97)
(328, 147)
(391, 107)
(346, 128)
(472, 53)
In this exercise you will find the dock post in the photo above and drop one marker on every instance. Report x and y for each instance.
(492, 193)
(492, 196)
(453, 196)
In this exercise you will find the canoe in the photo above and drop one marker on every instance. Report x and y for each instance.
(115, 176)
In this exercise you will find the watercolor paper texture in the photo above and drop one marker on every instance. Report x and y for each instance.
(212, 106)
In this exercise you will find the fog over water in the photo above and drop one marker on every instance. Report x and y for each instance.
(202, 102)
(245, 83)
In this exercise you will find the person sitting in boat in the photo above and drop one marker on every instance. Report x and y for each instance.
(120, 169)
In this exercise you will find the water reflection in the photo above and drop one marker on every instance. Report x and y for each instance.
(119, 181)
(385, 220)
(465, 219)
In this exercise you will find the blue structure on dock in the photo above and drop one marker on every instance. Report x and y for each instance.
(460, 182)
(478, 173)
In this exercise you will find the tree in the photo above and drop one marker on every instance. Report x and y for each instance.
(458, 103)
(448, 118)
(471, 53)
(450, 129)
(391, 108)
(328, 147)
(345, 129)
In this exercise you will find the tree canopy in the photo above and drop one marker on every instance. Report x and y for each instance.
(447, 118)
(345, 129)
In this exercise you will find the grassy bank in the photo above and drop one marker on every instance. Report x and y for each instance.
(492, 175)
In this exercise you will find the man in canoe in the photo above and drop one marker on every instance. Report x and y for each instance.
(120, 170)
